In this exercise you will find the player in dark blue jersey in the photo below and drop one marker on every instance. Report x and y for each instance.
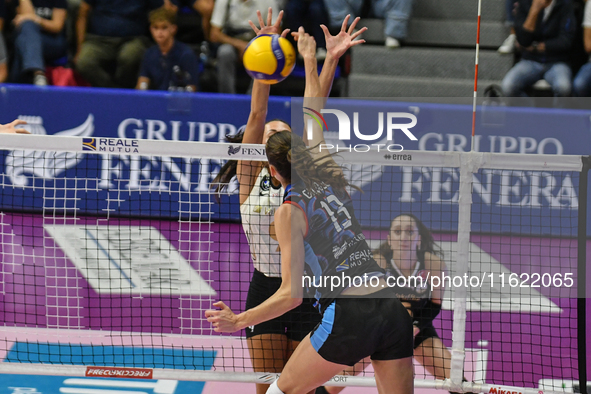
(318, 232)
(361, 316)
(411, 252)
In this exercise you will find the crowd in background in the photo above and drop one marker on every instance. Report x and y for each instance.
(198, 44)
(158, 44)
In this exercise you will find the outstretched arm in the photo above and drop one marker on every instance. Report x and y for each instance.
(337, 46)
(290, 225)
(247, 171)
(313, 99)
(320, 87)
(10, 128)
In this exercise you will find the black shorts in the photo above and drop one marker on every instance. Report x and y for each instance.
(425, 333)
(295, 324)
(353, 328)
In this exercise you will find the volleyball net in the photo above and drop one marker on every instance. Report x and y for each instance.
(112, 249)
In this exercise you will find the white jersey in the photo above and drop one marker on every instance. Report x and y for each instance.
(258, 222)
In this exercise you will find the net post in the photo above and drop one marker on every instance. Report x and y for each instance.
(468, 163)
(582, 275)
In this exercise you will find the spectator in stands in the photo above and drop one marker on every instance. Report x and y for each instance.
(170, 64)
(395, 12)
(310, 14)
(39, 38)
(193, 19)
(545, 31)
(508, 46)
(230, 28)
(111, 40)
(582, 82)
(3, 55)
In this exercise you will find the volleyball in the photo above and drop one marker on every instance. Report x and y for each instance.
(269, 58)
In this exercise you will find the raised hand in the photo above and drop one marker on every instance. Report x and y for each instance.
(306, 43)
(336, 46)
(269, 27)
(10, 128)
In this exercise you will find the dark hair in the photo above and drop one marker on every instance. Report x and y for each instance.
(286, 152)
(428, 244)
(228, 170)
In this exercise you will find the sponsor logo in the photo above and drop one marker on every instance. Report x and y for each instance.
(343, 266)
(110, 372)
(265, 184)
(232, 150)
(89, 144)
(398, 157)
(494, 390)
(268, 378)
(117, 145)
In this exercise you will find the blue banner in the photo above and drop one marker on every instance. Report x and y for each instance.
(544, 201)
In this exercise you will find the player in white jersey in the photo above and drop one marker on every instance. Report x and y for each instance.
(271, 343)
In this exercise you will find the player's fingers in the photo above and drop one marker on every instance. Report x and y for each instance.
(352, 27)
(220, 304)
(325, 30)
(270, 17)
(357, 42)
(254, 27)
(301, 31)
(260, 18)
(279, 19)
(285, 33)
(358, 33)
(295, 35)
(16, 122)
(22, 131)
(345, 21)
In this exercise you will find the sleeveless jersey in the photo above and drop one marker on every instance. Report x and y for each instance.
(335, 245)
(416, 292)
(258, 223)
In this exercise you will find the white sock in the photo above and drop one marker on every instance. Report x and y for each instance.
(273, 389)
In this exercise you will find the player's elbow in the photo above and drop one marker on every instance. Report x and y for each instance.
(295, 302)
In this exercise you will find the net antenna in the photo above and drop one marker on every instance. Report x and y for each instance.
(464, 226)
(477, 55)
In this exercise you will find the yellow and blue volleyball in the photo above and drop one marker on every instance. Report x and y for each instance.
(269, 58)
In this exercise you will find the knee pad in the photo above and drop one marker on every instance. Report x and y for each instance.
(274, 389)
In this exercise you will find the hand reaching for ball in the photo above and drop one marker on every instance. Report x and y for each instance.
(270, 27)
